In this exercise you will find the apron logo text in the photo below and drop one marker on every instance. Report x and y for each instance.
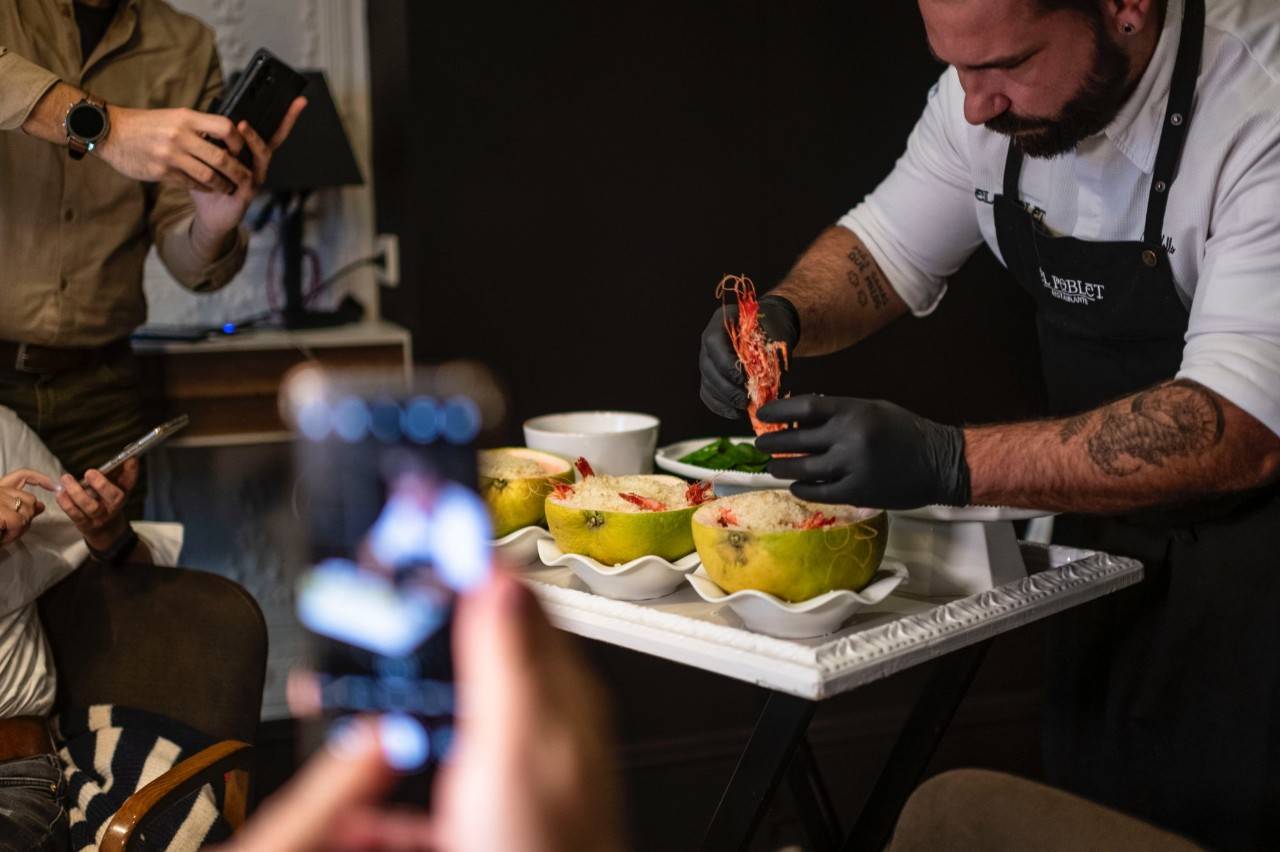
(1072, 290)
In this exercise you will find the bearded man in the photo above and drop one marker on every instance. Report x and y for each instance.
(1122, 159)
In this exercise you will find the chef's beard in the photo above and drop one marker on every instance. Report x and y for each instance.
(1099, 100)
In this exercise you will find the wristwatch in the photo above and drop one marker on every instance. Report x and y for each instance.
(87, 125)
(119, 549)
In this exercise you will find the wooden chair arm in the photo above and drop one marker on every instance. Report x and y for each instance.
(205, 767)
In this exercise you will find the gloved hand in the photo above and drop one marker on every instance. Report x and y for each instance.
(866, 453)
(724, 387)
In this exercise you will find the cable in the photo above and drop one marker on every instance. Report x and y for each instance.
(378, 259)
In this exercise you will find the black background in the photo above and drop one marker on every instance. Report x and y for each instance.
(569, 181)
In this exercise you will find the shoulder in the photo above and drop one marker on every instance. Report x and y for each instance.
(1239, 87)
(164, 24)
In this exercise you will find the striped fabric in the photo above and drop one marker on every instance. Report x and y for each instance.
(109, 752)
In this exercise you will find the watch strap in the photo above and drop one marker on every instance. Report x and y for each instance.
(119, 549)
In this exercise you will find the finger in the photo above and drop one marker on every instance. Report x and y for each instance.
(221, 160)
(794, 441)
(728, 388)
(807, 410)
(88, 505)
(72, 511)
(200, 176)
(347, 772)
(109, 496)
(23, 477)
(290, 119)
(815, 468)
(11, 526)
(126, 476)
(494, 661)
(261, 153)
(719, 349)
(842, 491)
(385, 830)
(218, 127)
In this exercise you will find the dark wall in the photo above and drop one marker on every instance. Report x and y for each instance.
(570, 181)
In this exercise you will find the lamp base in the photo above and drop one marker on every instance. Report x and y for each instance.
(348, 311)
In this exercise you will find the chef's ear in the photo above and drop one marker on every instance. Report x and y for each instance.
(1128, 18)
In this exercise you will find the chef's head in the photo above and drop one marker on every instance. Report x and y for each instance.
(1047, 73)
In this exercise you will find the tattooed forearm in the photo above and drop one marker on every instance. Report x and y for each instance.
(1173, 421)
(1073, 426)
(866, 280)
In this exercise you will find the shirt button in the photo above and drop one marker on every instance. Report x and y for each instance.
(62, 284)
(68, 215)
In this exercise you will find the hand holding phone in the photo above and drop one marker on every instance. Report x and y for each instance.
(262, 96)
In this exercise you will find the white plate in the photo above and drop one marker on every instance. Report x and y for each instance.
(972, 513)
(520, 548)
(638, 580)
(726, 482)
(764, 613)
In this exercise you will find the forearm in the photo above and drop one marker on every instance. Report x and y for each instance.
(1175, 442)
(840, 292)
(45, 119)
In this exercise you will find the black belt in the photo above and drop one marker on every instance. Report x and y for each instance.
(29, 359)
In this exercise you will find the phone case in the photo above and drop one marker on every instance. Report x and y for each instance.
(262, 95)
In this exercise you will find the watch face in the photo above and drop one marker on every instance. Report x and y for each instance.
(86, 121)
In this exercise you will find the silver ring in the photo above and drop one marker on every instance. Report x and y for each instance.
(17, 505)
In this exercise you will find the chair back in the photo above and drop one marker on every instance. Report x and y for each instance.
(188, 644)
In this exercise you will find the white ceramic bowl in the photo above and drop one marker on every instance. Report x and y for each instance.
(613, 442)
(520, 548)
(638, 580)
(764, 613)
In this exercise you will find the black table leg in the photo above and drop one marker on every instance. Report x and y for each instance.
(915, 747)
(813, 802)
(774, 740)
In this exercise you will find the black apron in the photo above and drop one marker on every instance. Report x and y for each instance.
(1162, 699)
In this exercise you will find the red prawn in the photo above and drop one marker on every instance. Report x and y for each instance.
(726, 518)
(816, 521)
(762, 361)
(646, 503)
(562, 490)
(698, 493)
(584, 468)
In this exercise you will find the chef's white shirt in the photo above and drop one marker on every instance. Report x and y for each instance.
(50, 549)
(1222, 223)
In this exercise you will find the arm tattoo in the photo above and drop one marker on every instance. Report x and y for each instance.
(1176, 420)
(1073, 426)
(866, 280)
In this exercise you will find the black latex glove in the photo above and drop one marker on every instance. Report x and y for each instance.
(866, 453)
(724, 387)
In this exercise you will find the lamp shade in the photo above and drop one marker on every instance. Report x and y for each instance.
(317, 153)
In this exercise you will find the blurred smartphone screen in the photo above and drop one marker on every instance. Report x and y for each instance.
(393, 531)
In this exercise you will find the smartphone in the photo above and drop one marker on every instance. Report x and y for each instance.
(261, 95)
(143, 445)
(393, 530)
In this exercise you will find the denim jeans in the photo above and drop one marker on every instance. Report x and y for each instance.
(32, 818)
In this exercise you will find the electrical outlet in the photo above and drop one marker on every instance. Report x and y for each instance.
(389, 248)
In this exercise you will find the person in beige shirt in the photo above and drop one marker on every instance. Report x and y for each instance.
(74, 232)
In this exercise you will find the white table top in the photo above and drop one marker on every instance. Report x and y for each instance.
(899, 633)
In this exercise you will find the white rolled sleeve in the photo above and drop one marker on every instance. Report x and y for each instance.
(920, 223)
(1233, 337)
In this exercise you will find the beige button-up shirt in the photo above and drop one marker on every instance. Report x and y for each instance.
(74, 235)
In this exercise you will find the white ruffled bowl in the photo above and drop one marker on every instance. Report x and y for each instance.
(520, 548)
(638, 580)
(765, 613)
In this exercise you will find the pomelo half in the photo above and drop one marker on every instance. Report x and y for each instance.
(514, 482)
(774, 542)
(615, 519)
